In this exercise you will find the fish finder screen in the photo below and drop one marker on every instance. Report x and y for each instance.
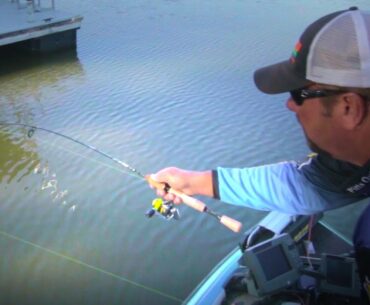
(273, 262)
(338, 272)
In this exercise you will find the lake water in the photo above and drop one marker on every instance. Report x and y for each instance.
(154, 84)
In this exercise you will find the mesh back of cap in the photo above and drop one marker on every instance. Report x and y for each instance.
(340, 53)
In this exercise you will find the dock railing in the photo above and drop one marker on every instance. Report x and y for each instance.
(33, 5)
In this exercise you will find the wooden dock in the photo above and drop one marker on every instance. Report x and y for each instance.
(36, 25)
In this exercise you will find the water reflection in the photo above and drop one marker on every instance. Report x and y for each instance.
(28, 78)
(18, 156)
(64, 63)
(50, 184)
(25, 79)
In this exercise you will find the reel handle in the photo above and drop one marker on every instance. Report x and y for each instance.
(196, 204)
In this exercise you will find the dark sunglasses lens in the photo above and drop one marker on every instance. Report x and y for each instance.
(297, 97)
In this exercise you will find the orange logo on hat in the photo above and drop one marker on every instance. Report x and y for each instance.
(295, 52)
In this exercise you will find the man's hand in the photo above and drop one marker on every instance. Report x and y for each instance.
(184, 181)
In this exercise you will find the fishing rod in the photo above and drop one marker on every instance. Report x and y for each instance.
(192, 202)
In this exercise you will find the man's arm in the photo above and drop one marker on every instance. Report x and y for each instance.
(286, 187)
(281, 187)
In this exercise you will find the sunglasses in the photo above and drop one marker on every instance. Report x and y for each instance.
(300, 95)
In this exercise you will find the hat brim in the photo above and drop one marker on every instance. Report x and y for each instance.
(279, 78)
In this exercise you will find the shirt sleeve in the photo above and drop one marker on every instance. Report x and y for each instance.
(281, 187)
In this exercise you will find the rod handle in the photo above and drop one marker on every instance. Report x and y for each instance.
(188, 200)
(192, 202)
(231, 223)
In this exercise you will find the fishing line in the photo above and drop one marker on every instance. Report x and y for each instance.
(89, 266)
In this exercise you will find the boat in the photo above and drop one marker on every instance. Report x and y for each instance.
(284, 259)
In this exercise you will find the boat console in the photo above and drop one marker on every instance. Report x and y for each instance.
(278, 263)
(284, 260)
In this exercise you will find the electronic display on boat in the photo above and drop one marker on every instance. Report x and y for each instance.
(339, 275)
(273, 265)
(272, 269)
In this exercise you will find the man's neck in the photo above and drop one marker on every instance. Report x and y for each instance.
(356, 154)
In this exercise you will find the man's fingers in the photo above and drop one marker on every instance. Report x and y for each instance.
(169, 196)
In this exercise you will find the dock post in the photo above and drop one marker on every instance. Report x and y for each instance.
(30, 10)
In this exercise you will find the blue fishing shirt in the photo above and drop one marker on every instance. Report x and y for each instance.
(288, 187)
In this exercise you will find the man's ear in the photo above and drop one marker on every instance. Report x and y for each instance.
(352, 110)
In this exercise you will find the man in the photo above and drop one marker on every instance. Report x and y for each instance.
(328, 78)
